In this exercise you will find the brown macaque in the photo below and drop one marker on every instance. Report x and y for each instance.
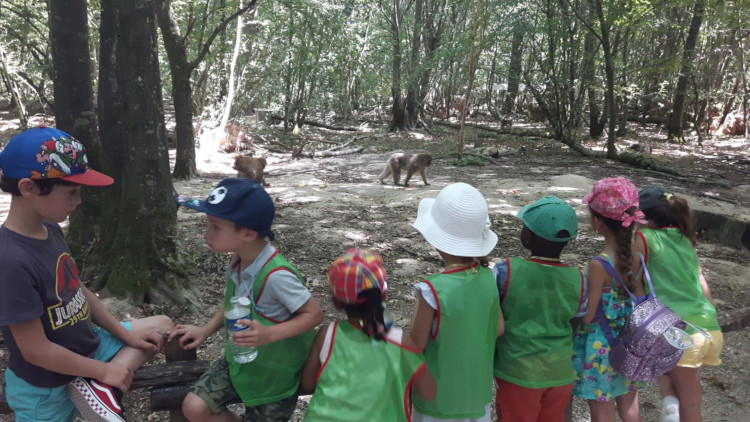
(411, 163)
(250, 167)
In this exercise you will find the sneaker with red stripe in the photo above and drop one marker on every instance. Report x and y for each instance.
(97, 402)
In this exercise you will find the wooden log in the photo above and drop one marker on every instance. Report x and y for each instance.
(176, 355)
(171, 373)
(733, 319)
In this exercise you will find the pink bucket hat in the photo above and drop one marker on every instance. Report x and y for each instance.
(612, 197)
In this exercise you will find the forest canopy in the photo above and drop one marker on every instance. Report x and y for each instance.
(110, 72)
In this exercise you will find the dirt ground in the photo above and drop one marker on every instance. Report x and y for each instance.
(326, 205)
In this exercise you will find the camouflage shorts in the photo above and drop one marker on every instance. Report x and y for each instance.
(215, 388)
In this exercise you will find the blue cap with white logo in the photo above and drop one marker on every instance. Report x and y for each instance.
(239, 200)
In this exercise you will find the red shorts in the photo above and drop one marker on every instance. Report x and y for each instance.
(520, 404)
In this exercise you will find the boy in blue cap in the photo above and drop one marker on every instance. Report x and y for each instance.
(240, 213)
(539, 295)
(58, 359)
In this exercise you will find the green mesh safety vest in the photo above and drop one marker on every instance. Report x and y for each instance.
(673, 266)
(274, 375)
(364, 379)
(459, 353)
(540, 299)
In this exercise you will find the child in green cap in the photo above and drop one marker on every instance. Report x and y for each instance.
(539, 295)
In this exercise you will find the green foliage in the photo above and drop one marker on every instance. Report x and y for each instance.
(332, 58)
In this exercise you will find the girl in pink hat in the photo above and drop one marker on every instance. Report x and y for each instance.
(613, 205)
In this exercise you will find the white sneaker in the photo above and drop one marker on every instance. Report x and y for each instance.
(670, 410)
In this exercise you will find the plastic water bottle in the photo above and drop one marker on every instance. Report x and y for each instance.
(387, 318)
(239, 308)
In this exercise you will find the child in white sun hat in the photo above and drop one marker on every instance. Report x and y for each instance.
(457, 315)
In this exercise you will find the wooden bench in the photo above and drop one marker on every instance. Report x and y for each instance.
(169, 382)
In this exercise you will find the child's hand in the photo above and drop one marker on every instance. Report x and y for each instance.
(190, 336)
(118, 376)
(145, 338)
(257, 335)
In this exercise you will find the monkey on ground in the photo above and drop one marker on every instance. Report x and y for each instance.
(250, 167)
(411, 163)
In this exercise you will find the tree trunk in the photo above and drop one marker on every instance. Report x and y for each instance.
(743, 72)
(74, 106)
(597, 119)
(431, 36)
(110, 130)
(181, 69)
(610, 73)
(174, 44)
(398, 111)
(232, 77)
(412, 89)
(478, 25)
(142, 242)
(514, 70)
(675, 121)
(15, 95)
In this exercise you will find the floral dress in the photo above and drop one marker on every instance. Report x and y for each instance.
(595, 378)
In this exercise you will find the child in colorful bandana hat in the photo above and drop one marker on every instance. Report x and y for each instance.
(384, 361)
(613, 206)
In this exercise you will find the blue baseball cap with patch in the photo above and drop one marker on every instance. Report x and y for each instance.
(48, 153)
(239, 200)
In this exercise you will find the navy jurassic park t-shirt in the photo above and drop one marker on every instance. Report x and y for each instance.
(39, 280)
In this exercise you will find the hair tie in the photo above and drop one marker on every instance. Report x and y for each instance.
(667, 196)
(638, 217)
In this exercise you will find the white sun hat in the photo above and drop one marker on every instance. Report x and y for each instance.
(457, 222)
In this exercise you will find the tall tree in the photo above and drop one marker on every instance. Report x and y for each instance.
(181, 68)
(676, 118)
(514, 70)
(478, 27)
(142, 209)
(393, 12)
(12, 87)
(605, 25)
(75, 112)
(412, 88)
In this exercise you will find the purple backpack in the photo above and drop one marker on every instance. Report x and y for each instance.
(648, 344)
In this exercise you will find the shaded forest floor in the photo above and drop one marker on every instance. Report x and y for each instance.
(326, 205)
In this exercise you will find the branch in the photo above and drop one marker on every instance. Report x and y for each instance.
(325, 126)
(207, 46)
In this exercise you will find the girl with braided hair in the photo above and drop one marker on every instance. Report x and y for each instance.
(361, 368)
(613, 205)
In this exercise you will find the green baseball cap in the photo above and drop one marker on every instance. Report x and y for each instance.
(549, 216)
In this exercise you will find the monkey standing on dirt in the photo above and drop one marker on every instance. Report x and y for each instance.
(250, 168)
(411, 163)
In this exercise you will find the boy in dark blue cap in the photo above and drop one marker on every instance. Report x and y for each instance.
(539, 295)
(58, 359)
(240, 213)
